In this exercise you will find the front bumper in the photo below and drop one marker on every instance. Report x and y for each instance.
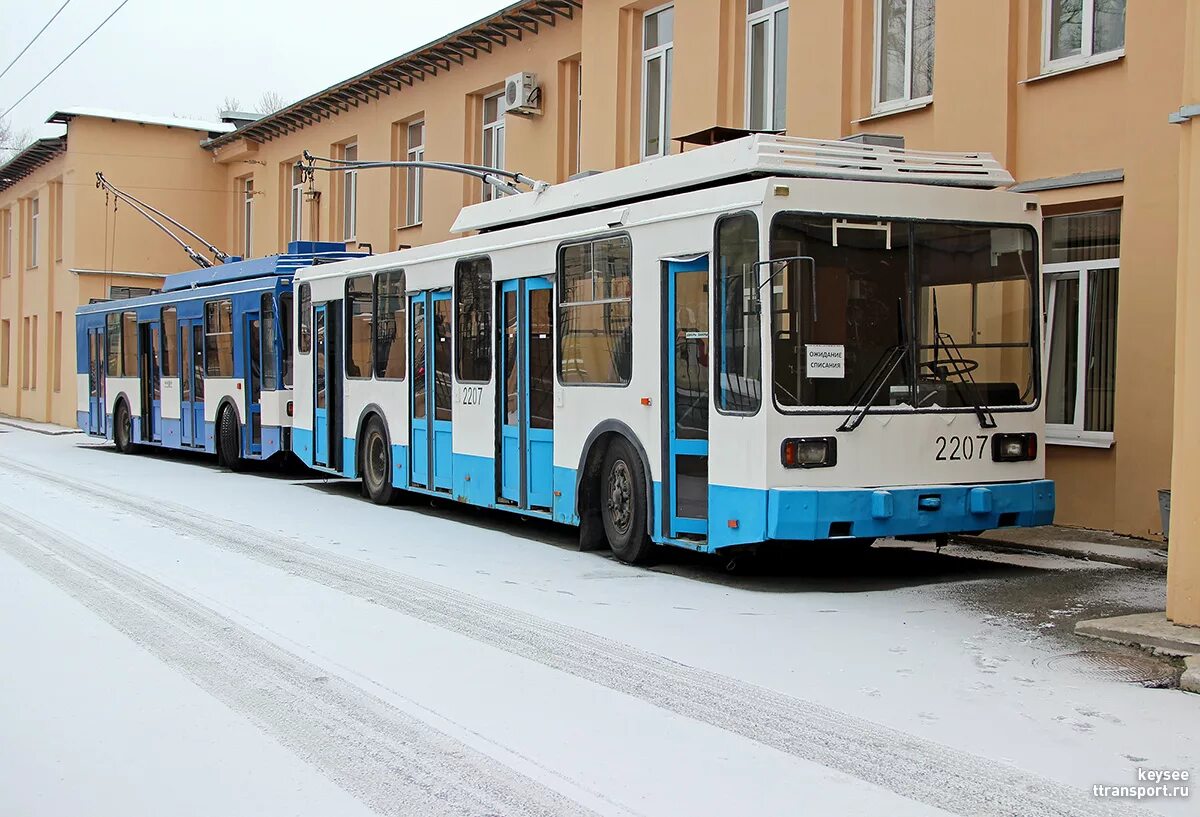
(824, 513)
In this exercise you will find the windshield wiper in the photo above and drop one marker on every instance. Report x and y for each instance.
(892, 357)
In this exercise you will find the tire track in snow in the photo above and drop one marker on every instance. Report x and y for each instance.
(392, 762)
(922, 770)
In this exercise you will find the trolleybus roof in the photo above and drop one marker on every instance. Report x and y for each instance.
(755, 155)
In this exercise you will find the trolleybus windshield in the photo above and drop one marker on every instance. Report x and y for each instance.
(954, 301)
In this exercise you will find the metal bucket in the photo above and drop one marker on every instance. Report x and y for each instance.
(1164, 511)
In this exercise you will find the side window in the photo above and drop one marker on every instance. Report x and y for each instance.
(595, 303)
(112, 333)
(390, 332)
(129, 344)
(285, 324)
(270, 354)
(305, 318)
(473, 320)
(218, 338)
(736, 322)
(358, 327)
(170, 343)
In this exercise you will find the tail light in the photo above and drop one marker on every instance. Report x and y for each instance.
(1014, 447)
(808, 452)
(289, 408)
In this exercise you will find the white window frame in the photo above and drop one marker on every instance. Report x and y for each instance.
(663, 52)
(1086, 55)
(34, 217)
(764, 16)
(414, 206)
(247, 216)
(907, 100)
(1073, 433)
(350, 194)
(496, 159)
(296, 205)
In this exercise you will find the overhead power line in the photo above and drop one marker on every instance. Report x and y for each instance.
(34, 40)
(64, 59)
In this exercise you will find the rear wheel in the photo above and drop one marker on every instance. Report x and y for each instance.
(623, 506)
(229, 440)
(376, 464)
(123, 428)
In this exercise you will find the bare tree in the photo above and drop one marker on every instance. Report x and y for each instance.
(230, 103)
(269, 103)
(12, 141)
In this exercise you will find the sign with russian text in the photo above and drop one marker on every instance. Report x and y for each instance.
(826, 360)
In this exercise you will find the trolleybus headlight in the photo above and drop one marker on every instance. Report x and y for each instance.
(809, 452)
(1014, 447)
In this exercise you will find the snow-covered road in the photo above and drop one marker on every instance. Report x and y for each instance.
(179, 640)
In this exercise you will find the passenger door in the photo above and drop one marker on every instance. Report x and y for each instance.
(150, 342)
(526, 438)
(686, 349)
(327, 385)
(252, 367)
(191, 383)
(96, 370)
(431, 432)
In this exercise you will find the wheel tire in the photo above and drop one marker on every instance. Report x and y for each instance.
(623, 506)
(375, 464)
(229, 440)
(123, 428)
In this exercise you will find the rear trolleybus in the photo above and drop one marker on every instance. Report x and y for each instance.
(204, 365)
(768, 339)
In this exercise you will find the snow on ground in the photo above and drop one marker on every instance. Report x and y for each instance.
(180, 640)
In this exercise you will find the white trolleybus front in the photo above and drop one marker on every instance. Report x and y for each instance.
(768, 339)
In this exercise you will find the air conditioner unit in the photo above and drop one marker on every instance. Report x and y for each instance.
(522, 95)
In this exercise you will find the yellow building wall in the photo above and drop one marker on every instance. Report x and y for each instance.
(167, 168)
(1183, 567)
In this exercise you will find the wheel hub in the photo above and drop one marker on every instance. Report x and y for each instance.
(377, 457)
(620, 496)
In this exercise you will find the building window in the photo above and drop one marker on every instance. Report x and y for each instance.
(493, 138)
(1078, 30)
(33, 233)
(1082, 261)
(657, 48)
(57, 199)
(5, 351)
(595, 308)
(358, 327)
(766, 64)
(415, 178)
(350, 195)
(390, 306)
(58, 344)
(737, 319)
(473, 320)
(903, 52)
(248, 217)
(296, 204)
(218, 338)
(8, 249)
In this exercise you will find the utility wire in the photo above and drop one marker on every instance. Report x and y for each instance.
(64, 59)
(34, 40)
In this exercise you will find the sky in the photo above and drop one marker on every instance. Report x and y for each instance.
(169, 57)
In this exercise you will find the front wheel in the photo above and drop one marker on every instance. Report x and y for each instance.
(623, 506)
(377, 464)
(229, 440)
(123, 428)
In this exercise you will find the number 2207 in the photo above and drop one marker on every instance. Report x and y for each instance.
(961, 448)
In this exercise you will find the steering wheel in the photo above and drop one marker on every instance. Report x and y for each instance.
(950, 366)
